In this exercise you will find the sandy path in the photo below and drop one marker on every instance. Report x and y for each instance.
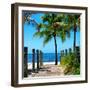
(49, 70)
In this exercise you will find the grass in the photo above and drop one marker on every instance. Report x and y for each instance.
(71, 64)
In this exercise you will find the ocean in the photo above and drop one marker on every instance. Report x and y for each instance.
(47, 57)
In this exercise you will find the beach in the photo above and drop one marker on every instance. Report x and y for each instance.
(45, 63)
(48, 69)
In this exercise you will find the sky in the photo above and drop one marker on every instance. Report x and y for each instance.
(37, 43)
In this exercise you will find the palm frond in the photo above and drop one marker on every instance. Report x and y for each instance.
(56, 24)
(63, 35)
(47, 39)
(42, 33)
(38, 34)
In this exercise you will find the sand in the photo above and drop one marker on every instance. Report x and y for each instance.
(48, 69)
(45, 63)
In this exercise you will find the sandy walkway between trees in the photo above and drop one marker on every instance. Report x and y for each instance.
(48, 70)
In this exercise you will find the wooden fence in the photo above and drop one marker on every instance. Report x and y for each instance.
(65, 52)
(25, 61)
(39, 56)
(39, 60)
(69, 51)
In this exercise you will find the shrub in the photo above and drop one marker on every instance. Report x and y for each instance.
(71, 64)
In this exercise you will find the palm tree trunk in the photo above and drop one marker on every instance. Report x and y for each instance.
(56, 59)
(74, 43)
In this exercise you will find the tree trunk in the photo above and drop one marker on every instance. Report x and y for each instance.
(74, 43)
(56, 59)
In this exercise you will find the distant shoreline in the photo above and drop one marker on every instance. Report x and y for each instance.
(44, 63)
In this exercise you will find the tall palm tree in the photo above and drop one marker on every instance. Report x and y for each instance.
(53, 27)
(74, 22)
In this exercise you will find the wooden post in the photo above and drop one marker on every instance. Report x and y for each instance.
(33, 60)
(25, 61)
(70, 50)
(37, 59)
(41, 55)
(65, 51)
(77, 52)
(62, 52)
(77, 49)
(60, 55)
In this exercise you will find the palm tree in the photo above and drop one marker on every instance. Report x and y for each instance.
(52, 27)
(74, 23)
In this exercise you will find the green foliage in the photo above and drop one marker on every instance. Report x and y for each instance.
(71, 64)
(53, 26)
(58, 25)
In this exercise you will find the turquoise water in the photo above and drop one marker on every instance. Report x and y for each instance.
(47, 57)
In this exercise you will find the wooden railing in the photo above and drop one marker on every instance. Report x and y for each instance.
(69, 51)
(39, 60)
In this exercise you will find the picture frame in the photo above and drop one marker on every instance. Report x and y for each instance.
(19, 51)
